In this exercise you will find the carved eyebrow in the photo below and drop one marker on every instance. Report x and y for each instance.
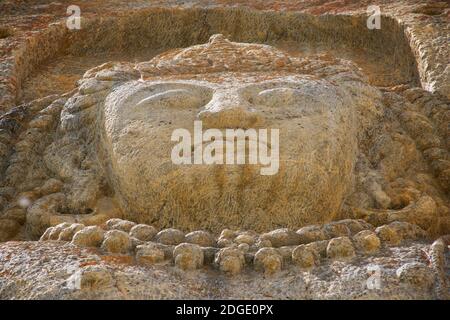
(168, 95)
(277, 90)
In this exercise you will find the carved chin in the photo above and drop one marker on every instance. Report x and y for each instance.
(219, 196)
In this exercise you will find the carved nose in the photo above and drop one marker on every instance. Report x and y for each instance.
(229, 110)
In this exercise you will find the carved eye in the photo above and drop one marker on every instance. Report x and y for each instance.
(176, 98)
(293, 102)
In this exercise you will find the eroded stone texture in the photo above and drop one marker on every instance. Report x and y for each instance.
(170, 236)
(201, 238)
(416, 274)
(143, 232)
(149, 254)
(318, 96)
(230, 260)
(340, 248)
(367, 241)
(305, 256)
(119, 224)
(92, 167)
(89, 237)
(268, 260)
(223, 100)
(233, 258)
(116, 241)
(153, 278)
(188, 256)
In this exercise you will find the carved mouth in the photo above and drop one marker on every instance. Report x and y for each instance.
(226, 141)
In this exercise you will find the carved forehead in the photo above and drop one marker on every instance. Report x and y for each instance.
(232, 79)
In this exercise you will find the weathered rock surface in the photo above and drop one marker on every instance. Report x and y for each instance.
(116, 241)
(363, 176)
(78, 273)
(89, 237)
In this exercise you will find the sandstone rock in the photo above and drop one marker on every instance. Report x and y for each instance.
(40, 212)
(230, 260)
(350, 136)
(17, 214)
(432, 9)
(422, 213)
(79, 102)
(223, 243)
(119, 224)
(116, 74)
(91, 236)
(263, 244)
(311, 233)
(188, 256)
(407, 230)
(95, 278)
(227, 234)
(56, 230)
(92, 85)
(320, 247)
(367, 241)
(45, 236)
(268, 260)
(245, 238)
(170, 236)
(355, 225)
(244, 247)
(336, 229)
(149, 254)
(340, 248)
(305, 256)
(8, 229)
(93, 219)
(61, 218)
(67, 233)
(117, 241)
(282, 237)
(388, 235)
(143, 232)
(444, 178)
(51, 186)
(231, 107)
(201, 238)
(416, 274)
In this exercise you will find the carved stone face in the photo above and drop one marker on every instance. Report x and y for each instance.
(317, 150)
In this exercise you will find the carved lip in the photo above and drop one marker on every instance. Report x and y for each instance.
(227, 140)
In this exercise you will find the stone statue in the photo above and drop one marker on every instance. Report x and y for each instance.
(354, 174)
(104, 150)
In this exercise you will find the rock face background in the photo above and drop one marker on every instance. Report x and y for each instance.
(50, 154)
